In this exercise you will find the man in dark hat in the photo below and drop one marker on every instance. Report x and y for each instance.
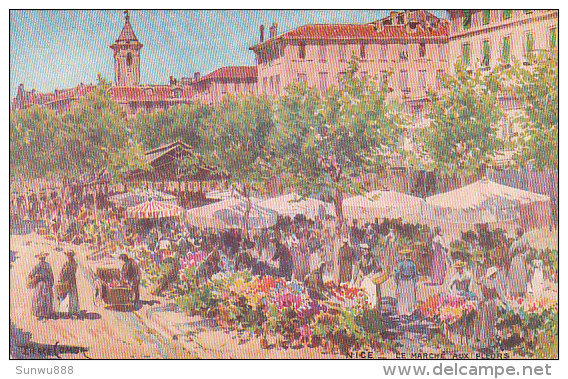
(131, 274)
(68, 275)
(42, 277)
(284, 258)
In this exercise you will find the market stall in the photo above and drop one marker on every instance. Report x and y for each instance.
(154, 209)
(381, 204)
(137, 197)
(229, 213)
(292, 204)
(488, 202)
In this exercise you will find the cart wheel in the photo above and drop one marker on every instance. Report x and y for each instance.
(98, 294)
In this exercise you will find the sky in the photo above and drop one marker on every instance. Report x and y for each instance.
(59, 48)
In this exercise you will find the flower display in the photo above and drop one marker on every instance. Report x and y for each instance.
(448, 308)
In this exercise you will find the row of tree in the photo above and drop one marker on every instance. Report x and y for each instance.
(322, 141)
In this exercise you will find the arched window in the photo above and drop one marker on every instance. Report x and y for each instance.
(129, 59)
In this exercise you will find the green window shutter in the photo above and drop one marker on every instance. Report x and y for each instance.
(529, 47)
(485, 53)
(506, 49)
(553, 38)
(486, 16)
(465, 55)
(466, 19)
(507, 14)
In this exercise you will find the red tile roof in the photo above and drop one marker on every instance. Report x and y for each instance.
(356, 31)
(232, 72)
(150, 93)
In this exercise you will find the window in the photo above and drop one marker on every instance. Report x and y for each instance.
(342, 79)
(322, 53)
(224, 87)
(422, 50)
(529, 45)
(129, 59)
(466, 22)
(422, 79)
(506, 49)
(277, 84)
(302, 50)
(403, 52)
(442, 52)
(465, 54)
(237, 87)
(486, 16)
(403, 81)
(362, 51)
(400, 19)
(323, 81)
(439, 79)
(342, 49)
(507, 14)
(272, 85)
(553, 38)
(384, 52)
(485, 61)
(382, 78)
(302, 78)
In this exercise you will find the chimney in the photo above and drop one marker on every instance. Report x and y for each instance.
(171, 80)
(273, 30)
(261, 33)
(196, 76)
(393, 13)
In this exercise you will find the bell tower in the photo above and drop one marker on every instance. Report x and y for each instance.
(127, 56)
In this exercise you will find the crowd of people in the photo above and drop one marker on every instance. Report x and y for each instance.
(313, 252)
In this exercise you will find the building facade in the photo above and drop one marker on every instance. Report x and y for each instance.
(211, 89)
(410, 45)
(485, 38)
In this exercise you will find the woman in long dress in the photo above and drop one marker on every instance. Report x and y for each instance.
(390, 257)
(486, 319)
(42, 299)
(439, 257)
(68, 274)
(537, 282)
(405, 278)
(518, 271)
(366, 267)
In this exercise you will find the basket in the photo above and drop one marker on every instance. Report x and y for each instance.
(61, 289)
(380, 278)
(118, 296)
(32, 281)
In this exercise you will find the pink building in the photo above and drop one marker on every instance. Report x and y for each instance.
(59, 100)
(412, 45)
(227, 81)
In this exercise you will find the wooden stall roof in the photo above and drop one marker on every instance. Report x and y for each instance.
(166, 164)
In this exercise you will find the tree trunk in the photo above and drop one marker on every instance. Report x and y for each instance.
(246, 192)
(338, 202)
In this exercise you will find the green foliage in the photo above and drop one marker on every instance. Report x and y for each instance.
(536, 86)
(462, 136)
(127, 159)
(182, 122)
(326, 141)
(235, 138)
(202, 299)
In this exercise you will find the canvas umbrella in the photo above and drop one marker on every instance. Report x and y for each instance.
(381, 204)
(154, 209)
(229, 213)
(131, 199)
(292, 204)
(485, 202)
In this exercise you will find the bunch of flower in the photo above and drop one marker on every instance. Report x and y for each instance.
(429, 307)
(192, 260)
(348, 297)
(449, 308)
